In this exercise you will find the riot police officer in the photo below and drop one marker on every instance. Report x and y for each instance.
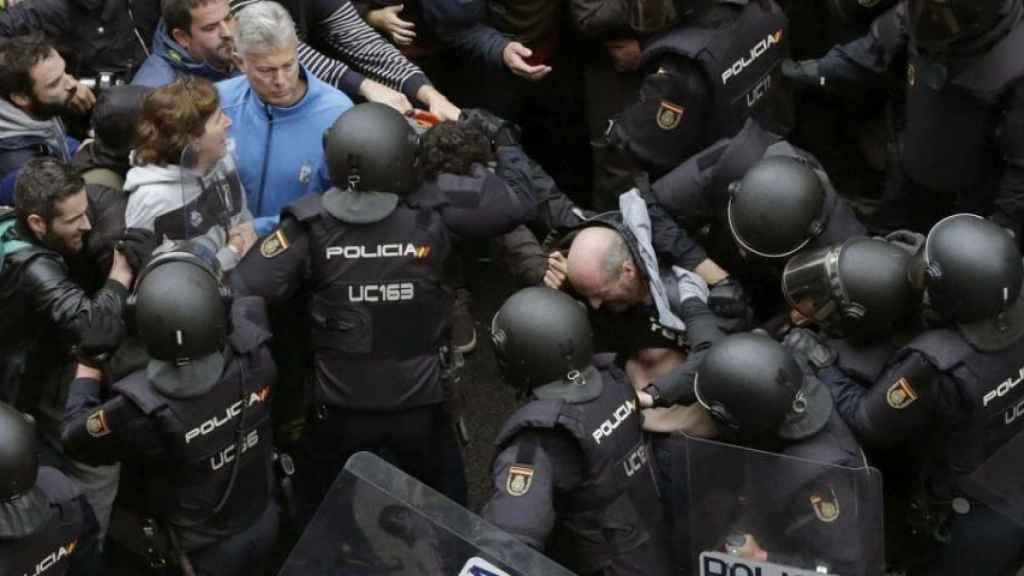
(195, 423)
(45, 525)
(743, 206)
(852, 304)
(369, 255)
(760, 397)
(572, 463)
(857, 289)
(859, 295)
(961, 146)
(950, 384)
(704, 79)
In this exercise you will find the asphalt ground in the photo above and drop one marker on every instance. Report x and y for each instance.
(488, 400)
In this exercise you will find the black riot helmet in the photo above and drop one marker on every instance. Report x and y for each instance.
(937, 25)
(541, 336)
(749, 383)
(18, 463)
(857, 289)
(180, 308)
(371, 148)
(970, 271)
(777, 208)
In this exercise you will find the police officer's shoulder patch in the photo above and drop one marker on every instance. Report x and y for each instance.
(825, 506)
(96, 424)
(669, 115)
(901, 394)
(520, 477)
(274, 245)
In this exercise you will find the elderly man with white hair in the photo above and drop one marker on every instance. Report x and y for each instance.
(279, 112)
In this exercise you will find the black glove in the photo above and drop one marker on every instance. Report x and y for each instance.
(499, 131)
(803, 74)
(812, 347)
(676, 387)
(138, 245)
(728, 299)
(729, 302)
(100, 336)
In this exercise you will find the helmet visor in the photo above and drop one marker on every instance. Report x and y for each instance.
(810, 283)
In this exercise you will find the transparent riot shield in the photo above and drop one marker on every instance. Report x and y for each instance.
(745, 512)
(999, 482)
(211, 197)
(378, 520)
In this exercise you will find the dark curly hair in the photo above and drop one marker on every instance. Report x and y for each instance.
(172, 117)
(452, 148)
(18, 55)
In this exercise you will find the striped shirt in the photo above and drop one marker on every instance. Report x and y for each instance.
(338, 29)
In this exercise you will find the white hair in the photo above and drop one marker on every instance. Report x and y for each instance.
(263, 26)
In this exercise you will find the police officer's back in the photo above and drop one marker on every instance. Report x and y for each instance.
(195, 422)
(953, 389)
(572, 463)
(369, 256)
(45, 525)
(704, 79)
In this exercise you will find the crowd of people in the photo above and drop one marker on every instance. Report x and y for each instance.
(236, 238)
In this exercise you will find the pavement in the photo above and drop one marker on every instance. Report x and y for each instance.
(489, 400)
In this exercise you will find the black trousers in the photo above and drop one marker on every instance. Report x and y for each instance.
(247, 552)
(420, 441)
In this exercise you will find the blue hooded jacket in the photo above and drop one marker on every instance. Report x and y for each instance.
(279, 151)
(170, 61)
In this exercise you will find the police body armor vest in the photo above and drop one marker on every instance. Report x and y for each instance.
(379, 311)
(609, 513)
(207, 433)
(950, 136)
(742, 62)
(48, 549)
(994, 401)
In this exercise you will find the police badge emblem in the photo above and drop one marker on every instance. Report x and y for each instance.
(827, 510)
(901, 394)
(96, 424)
(519, 479)
(273, 245)
(669, 115)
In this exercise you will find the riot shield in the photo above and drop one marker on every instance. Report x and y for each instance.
(743, 511)
(211, 196)
(999, 482)
(378, 520)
